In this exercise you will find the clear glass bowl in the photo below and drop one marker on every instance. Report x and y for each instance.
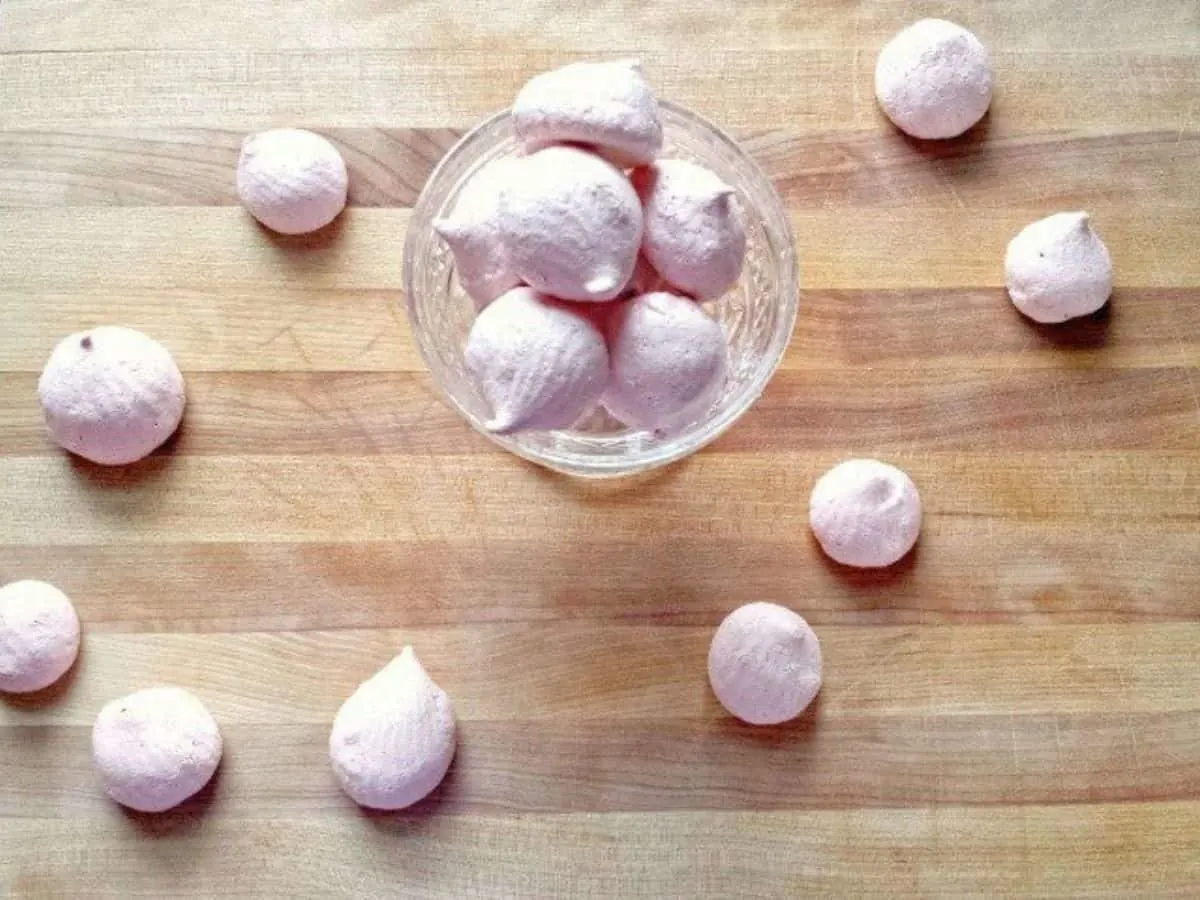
(758, 313)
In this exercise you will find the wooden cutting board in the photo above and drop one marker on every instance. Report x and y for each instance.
(1013, 711)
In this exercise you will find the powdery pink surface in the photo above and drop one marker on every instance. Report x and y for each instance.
(291, 180)
(394, 738)
(693, 235)
(764, 664)
(572, 224)
(39, 636)
(1058, 269)
(475, 236)
(605, 105)
(155, 748)
(934, 79)
(865, 513)
(111, 395)
(668, 361)
(538, 362)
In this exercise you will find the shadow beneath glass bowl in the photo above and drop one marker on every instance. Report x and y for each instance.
(599, 490)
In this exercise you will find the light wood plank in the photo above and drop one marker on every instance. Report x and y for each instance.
(1074, 410)
(188, 499)
(607, 27)
(167, 249)
(554, 766)
(180, 167)
(590, 672)
(964, 571)
(826, 88)
(1089, 849)
(291, 329)
(991, 167)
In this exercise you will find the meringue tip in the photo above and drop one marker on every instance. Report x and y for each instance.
(1082, 219)
(720, 196)
(501, 423)
(604, 283)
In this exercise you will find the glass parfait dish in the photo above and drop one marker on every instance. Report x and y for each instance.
(758, 313)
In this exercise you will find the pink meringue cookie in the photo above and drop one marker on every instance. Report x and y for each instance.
(693, 235)
(291, 180)
(1058, 269)
(473, 232)
(764, 664)
(865, 513)
(668, 360)
(934, 79)
(607, 106)
(155, 748)
(539, 363)
(572, 224)
(111, 395)
(393, 740)
(39, 636)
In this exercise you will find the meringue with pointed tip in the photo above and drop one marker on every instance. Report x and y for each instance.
(293, 181)
(607, 106)
(539, 363)
(572, 224)
(865, 513)
(475, 237)
(934, 79)
(1058, 269)
(764, 664)
(155, 748)
(111, 395)
(692, 235)
(394, 738)
(39, 636)
(668, 361)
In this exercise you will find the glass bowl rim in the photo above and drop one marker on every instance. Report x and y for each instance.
(784, 260)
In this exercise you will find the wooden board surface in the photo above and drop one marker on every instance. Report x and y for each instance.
(1015, 710)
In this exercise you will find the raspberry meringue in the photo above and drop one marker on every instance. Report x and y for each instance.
(111, 395)
(572, 224)
(764, 664)
(1058, 269)
(155, 748)
(865, 513)
(394, 738)
(692, 235)
(539, 363)
(39, 636)
(934, 79)
(291, 180)
(607, 106)
(668, 360)
(475, 237)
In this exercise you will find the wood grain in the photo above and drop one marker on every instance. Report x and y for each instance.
(1012, 711)
(191, 167)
